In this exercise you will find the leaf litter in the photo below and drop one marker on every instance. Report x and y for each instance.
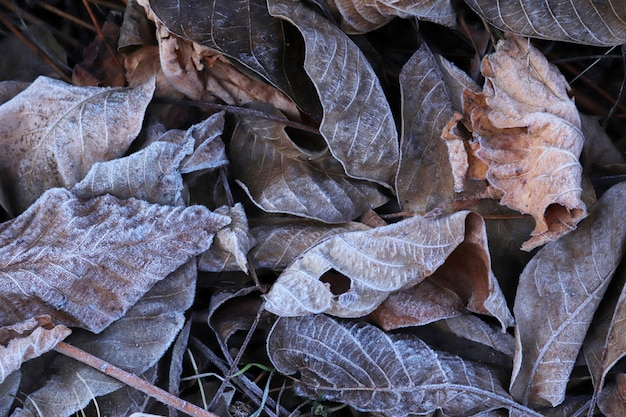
(126, 217)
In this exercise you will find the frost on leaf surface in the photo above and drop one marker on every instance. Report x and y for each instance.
(526, 140)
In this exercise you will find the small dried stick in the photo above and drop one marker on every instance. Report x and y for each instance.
(132, 380)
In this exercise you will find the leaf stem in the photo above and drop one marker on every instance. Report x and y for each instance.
(132, 380)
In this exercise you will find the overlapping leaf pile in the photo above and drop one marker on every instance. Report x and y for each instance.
(116, 212)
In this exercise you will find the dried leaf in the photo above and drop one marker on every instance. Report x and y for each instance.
(232, 243)
(377, 262)
(591, 22)
(209, 150)
(557, 296)
(86, 263)
(357, 125)
(101, 64)
(152, 175)
(135, 343)
(26, 340)
(598, 149)
(280, 241)
(477, 330)
(281, 177)
(52, 133)
(396, 375)
(612, 401)
(527, 135)
(8, 392)
(464, 281)
(605, 344)
(244, 31)
(359, 16)
(424, 179)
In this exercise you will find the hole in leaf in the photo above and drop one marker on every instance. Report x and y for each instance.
(339, 284)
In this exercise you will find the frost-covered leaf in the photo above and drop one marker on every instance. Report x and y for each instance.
(424, 179)
(357, 124)
(232, 243)
(463, 282)
(151, 174)
(612, 401)
(86, 263)
(526, 140)
(359, 16)
(558, 294)
(281, 177)
(52, 133)
(135, 343)
(280, 240)
(605, 344)
(27, 340)
(395, 375)
(377, 262)
(470, 327)
(8, 392)
(591, 22)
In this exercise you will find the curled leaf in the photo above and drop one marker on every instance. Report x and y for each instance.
(357, 124)
(526, 140)
(558, 294)
(370, 370)
(52, 133)
(86, 263)
(376, 262)
(27, 340)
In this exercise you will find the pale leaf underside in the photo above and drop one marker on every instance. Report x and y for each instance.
(396, 375)
(86, 263)
(357, 124)
(591, 22)
(558, 294)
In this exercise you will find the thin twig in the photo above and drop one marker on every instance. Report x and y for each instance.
(132, 380)
(66, 15)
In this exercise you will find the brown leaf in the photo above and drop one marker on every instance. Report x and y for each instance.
(598, 149)
(557, 296)
(475, 329)
(27, 340)
(395, 375)
(8, 392)
(376, 262)
(359, 16)
(590, 22)
(232, 244)
(527, 134)
(357, 125)
(282, 177)
(101, 64)
(52, 133)
(612, 401)
(424, 178)
(464, 281)
(86, 263)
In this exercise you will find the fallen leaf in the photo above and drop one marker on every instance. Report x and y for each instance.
(558, 294)
(360, 16)
(590, 22)
(598, 149)
(26, 340)
(244, 31)
(86, 263)
(281, 177)
(605, 344)
(52, 133)
(376, 263)
(612, 401)
(101, 65)
(8, 392)
(464, 282)
(396, 375)
(477, 330)
(280, 241)
(231, 245)
(527, 138)
(151, 174)
(357, 124)
(209, 150)
(424, 178)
